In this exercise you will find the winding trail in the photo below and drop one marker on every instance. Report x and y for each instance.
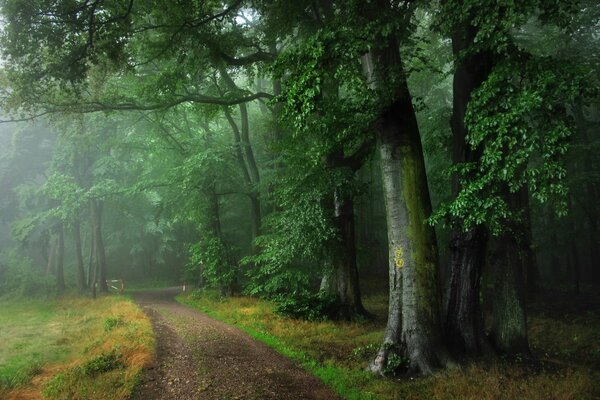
(201, 358)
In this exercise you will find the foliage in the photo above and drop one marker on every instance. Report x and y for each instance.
(104, 362)
(20, 278)
(210, 258)
(305, 305)
(520, 120)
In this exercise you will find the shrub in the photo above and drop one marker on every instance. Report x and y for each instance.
(305, 305)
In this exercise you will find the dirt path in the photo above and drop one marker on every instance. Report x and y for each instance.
(201, 358)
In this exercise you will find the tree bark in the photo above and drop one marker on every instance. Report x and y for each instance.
(91, 273)
(245, 156)
(97, 210)
(412, 245)
(81, 281)
(344, 282)
(464, 330)
(60, 258)
(509, 321)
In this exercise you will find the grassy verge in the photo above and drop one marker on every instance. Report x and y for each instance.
(72, 348)
(339, 352)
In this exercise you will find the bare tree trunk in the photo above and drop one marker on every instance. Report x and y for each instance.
(81, 282)
(412, 244)
(60, 259)
(91, 273)
(509, 321)
(245, 157)
(97, 209)
(50, 266)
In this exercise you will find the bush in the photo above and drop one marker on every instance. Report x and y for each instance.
(304, 305)
(20, 278)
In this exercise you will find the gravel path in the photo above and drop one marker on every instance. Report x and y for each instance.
(201, 358)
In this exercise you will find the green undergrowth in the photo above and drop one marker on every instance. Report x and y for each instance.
(73, 348)
(339, 352)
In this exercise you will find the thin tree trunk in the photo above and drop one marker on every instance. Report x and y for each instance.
(51, 255)
(60, 259)
(81, 282)
(91, 270)
(97, 209)
(245, 156)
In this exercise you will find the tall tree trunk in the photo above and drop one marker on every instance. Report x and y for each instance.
(60, 258)
(50, 265)
(532, 273)
(509, 321)
(81, 282)
(412, 245)
(245, 156)
(91, 273)
(344, 282)
(97, 210)
(509, 318)
(464, 330)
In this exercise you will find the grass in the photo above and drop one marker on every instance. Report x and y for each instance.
(72, 348)
(338, 352)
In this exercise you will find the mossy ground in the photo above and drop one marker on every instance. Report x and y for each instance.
(338, 353)
(58, 349)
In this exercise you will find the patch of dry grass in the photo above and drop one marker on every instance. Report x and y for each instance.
(79, 331)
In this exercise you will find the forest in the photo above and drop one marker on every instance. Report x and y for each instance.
(425, 170)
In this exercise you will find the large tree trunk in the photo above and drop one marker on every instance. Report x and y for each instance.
(60, 259)
(509, 321)
(532, 273)
(412, 245)
(81, 283)
(464, 330)
(97, 209)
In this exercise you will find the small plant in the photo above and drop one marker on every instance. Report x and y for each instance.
(111, 323)
(103, 363)
(305, 305)
(395, 363)
(365, 352)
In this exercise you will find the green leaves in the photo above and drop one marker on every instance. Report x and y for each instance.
(519, 121)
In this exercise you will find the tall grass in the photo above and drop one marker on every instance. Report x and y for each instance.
(59, 348)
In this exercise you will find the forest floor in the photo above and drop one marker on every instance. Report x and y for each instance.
(199, 357)
(564, 332)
